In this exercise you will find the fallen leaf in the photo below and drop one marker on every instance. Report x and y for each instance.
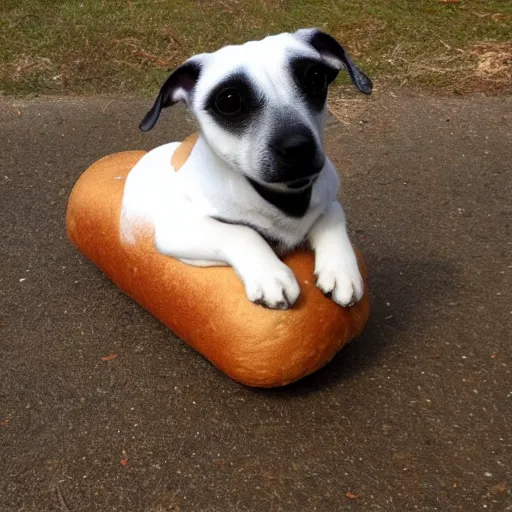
(352, 496)
(500, 488)
(5, 422)
(109, 357)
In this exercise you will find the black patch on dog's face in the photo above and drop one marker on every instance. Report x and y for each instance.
(234, 103)
(312, 78)
(294, 204)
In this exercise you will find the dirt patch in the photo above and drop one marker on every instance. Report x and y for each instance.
(26, 65)
(345, 106)
(493, 70)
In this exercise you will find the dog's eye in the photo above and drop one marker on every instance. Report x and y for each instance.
(315, 80)
(229, 102)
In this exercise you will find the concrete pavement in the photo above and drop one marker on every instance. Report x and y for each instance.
(414, 415)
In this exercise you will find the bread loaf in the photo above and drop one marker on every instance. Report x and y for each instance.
(207, 307)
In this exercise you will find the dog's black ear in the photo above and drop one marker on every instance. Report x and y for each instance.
(177, 87)
(335, 54)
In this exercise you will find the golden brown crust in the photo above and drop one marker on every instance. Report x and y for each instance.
(207, 307)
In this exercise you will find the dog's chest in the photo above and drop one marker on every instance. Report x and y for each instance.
(281, 231)
(217, 192)
(234, 201)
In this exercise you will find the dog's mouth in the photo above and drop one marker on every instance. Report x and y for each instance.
(293, 186)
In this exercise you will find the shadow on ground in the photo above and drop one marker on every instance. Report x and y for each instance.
(393, 275)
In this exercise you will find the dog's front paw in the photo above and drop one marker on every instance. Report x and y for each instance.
(340, 281)
(274, 287)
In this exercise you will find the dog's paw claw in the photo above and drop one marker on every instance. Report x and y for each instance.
(343, 286)
(274, 288)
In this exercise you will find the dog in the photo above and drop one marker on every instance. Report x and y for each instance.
(257, 183)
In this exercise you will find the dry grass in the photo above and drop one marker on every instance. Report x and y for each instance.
(493, 64)
(128, 46)
(481, 67)
(346, 107)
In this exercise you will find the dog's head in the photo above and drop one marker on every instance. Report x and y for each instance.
(261, 106)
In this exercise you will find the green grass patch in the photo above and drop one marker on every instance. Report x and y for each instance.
(129, 46)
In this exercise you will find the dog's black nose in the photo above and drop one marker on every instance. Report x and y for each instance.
(295, 148)
(294, 154)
